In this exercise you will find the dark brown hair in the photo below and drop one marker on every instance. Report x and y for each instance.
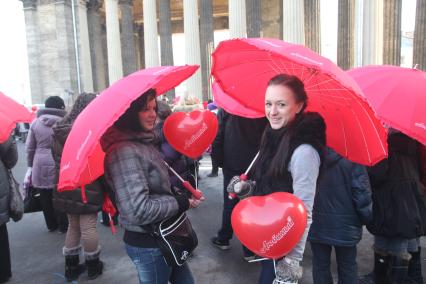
(130, 119)
(293, 83)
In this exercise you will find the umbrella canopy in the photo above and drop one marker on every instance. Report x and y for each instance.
(11, 112)
(231, 105)
(82, 157)
(243, 67)
(398, 95)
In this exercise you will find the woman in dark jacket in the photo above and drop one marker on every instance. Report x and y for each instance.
(82, 216)
(399, 212)
(8, 159)
(342, 205)
(140, 180)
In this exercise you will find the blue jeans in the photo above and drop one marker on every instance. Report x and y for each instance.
(346, 264)
(267, 273)
(396, 246)
(153, 269)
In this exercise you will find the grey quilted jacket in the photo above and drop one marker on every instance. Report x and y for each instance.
(8, 159)
(140, 180)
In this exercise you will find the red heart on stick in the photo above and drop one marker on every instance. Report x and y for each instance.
(270, 225)
(191, 133)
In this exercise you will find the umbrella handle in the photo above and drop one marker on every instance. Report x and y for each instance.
(196, 193)
(111, 224)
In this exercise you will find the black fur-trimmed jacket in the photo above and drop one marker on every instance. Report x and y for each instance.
(308, 129)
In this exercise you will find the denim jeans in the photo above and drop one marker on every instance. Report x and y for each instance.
(153, 269)
(346, 264)
(225, 233)
(267, 273)
(396, 245)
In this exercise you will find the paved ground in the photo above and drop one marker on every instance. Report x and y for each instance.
(37, 258)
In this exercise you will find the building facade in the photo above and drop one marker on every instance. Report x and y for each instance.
(86, 45)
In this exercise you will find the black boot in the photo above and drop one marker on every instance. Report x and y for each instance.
(415, 268)
(73, 268)
(94, 268)
(398, 269)
(381, 265)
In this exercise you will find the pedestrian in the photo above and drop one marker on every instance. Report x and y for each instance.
(399, 213)
(235, 146)
(140, 180)
(211, 106)
(289, 160)
(41, 166)
(8, 159)
(82, 216)
(342, 205)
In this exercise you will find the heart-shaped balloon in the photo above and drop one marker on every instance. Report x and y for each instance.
(191, 133)
(270, 225)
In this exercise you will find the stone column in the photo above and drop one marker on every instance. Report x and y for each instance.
(31, 27)
(192, 46)
(166, 43)
(419, 47)
(312, 25)
(115, 63)
(293, 21)
(372, 41)
(272, 18)
(63, 64)
(128, 51)
(150, 33)
(141, 46)
(237, 18)
(392, 32)
(85, 58)
(345, 34)
(254, 18)
(96, 49)
(207, 44)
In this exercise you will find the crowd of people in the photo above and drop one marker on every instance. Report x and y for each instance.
(290, 145)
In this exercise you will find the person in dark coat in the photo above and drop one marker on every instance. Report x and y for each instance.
(399, 212)
(8, 159)
(342, 205)
(41, 166)
(235, 146)
(82, 216)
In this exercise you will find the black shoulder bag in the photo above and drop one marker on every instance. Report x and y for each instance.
(176, 239)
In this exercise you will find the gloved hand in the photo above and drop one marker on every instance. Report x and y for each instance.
(242, 188)
(27, 178)
(288, 271)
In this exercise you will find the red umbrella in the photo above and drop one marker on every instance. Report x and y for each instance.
(398, 95)
(243, 67)
(231, 105)
(82, 157)
(109, 208)
(11, 112)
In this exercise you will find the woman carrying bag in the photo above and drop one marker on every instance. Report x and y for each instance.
(82, 217)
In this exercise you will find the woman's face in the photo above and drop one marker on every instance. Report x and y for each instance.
(148, 115)
(280, 106)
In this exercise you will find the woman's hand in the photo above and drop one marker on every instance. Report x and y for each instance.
(288, 270)
(242, 188)
(194, 203)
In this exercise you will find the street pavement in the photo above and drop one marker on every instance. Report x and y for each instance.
(37, 254)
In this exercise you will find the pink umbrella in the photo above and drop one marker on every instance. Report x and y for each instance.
(398, 95)
(82, 157)
(11, 112)
(243, 67)
(231, 105)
